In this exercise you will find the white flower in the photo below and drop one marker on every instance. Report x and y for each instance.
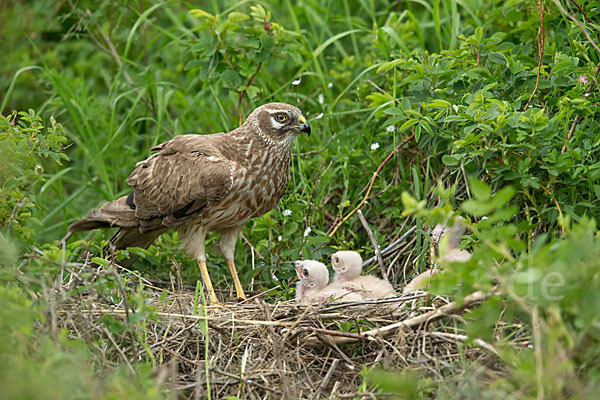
(279, 238)
(287, 212)
(330, 85)
(319, 116)
(390, 128)
(374, 146)
(307, 231)
(297, 81)
(321, 98)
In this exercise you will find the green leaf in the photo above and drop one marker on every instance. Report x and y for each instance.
(408, 124)
(450, 160)
(498, 58)
(479, 189)
(100, 261)
(231, 79)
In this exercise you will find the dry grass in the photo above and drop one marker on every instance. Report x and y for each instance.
(263, 350)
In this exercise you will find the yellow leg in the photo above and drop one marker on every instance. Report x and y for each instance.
(239, 290)
(212, 297)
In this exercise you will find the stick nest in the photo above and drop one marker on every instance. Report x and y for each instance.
(263, 350)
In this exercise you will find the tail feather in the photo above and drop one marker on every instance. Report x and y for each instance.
(118, 214)
(132, 237)
(115, 213)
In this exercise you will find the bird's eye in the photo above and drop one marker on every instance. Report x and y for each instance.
(305, 272)
(281, 117)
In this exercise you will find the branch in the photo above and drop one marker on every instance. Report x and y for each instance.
(370, 187)
(365, 225)
(541, 40)
(374, 334)
(242, 92)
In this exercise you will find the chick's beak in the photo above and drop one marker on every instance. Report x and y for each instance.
(305, 127)
(297, 267)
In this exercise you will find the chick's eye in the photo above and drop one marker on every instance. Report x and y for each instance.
(305, 272)
(281, 117)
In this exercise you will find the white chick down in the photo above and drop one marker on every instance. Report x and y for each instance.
(450, 252)
(419, 281)
(312, 287)
(348, 267)
(449, 238)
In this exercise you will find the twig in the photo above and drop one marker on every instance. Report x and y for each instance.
(389, 249)
(242, 92)
(572, 18)
(329, 332)
(326, 380)
(251, 246)
(582, 11)
(316, 151)
(541, 41)
(256, 296)
(367, 302)
(119, 350)
(370, 186)
(479, 342)
(462, 168)
(373, 334)
(194, 317)
(312, 194)
(365, 225)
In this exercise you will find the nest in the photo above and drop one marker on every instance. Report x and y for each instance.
(263, 350)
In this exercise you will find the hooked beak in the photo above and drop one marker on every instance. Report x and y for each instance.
(305, 127)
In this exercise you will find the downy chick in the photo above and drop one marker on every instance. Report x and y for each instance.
(451, 236)
(450, 253)
(312, 287)
(348, 266)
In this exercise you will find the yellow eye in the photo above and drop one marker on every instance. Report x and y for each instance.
(281, 117)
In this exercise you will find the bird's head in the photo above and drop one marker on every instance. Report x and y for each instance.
(347, 263)
(278, 122)
(453, 232)
(312, 274)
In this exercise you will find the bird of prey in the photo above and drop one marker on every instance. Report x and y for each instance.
(312, 285)
(200, 183)
(348, 266)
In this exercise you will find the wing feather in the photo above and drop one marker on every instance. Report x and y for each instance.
(182, 180)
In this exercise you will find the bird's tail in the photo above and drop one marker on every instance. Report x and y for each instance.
(118, 214)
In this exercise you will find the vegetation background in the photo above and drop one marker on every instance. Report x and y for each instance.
(496, 100)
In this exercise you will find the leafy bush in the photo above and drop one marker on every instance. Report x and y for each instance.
(487, 108)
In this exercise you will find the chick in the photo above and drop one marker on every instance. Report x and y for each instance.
(348, 266)
(451, 236)
(312, 287)
(451, 252)
(418, 282)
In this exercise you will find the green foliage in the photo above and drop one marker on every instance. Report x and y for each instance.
(233, 48)
(26, 149)
(554, 284)
(462, 76)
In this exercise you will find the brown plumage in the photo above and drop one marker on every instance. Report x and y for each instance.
(196, 183)
(348, 267)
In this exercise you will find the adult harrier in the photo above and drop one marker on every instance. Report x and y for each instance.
(197, 183)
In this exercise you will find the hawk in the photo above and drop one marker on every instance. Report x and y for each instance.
(200, 183)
